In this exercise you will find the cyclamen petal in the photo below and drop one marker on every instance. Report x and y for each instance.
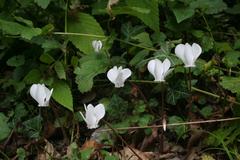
(93, 115)
(97, 45)
(159, 69)
(188, 54)
(118, 75)
(41, 94)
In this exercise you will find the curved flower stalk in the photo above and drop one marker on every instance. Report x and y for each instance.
(41, 94)
(188, 54)
(93, 115)
(97, 45)
(118, 76)
(159, 69)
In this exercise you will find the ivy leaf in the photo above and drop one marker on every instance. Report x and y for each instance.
(182, 12)
(59, 68)
(85, 24)
(180, 130)
(42, 3)
(62, 94)
(5, 130)
(33, 76)
(13, 28)
(231, 83)
(144, 39)
(90, 66)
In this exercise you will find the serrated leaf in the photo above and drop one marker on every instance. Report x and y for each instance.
(85, 24)
(13, 28)
(59, 68)
(5, 130)
(183, 12)
(231, 83)
(16, 61)
(42, 3)
(180, 130)
(62, 94)
(90, 66)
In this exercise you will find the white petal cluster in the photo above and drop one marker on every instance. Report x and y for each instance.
(159, 69)
(41, 94)
(118, 75)
(97, 45)
(93, 115)
(188, 54)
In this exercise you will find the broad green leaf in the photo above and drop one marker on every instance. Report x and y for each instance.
(62, 94)
(231, 83)
(209, 7)
(59, 68)
(86, 24)
(16, 61)
(231, 59)
(13, 28)
(42, 3)
(146, 10)
(5, 130)
(90, 66)
(33, 76)
(223, 47)
(183, 12)
(129, 31)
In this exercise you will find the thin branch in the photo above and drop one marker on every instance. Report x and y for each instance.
(175, 124)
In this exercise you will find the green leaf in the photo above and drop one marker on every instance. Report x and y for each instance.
(144, 39)
(16, 61)
(231, 59)
(206, 111)
(59, 68)
(21, 154)
(33, 126)
(42, 3)
(183, 12)
(139, 57)
(209, 7)
(90, 66)
(46, 58)
(85, 24)
(62, 94)
(13, 28)
(231, 83)
(32, 77)
(180, 130)
(146, 10)
(5, 130)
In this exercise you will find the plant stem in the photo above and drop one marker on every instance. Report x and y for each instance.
(66, 18)
(190, 79)
(175, 124)
(162, 118)
(115, 132)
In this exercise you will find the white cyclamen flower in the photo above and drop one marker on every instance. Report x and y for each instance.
(93, 115)
(159, 69)
(118, 75)
(97, 45)
(41, 94)
(188, 54)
